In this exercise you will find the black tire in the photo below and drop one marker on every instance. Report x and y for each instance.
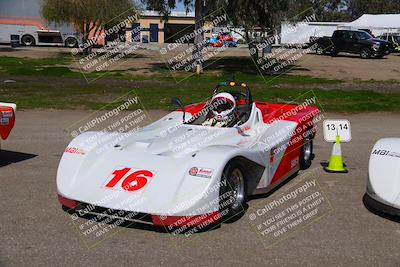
(28, 40)
(306, 153)
(365, 53)
(71, 42)
(232, 191)
(320, 50)
(334, 53)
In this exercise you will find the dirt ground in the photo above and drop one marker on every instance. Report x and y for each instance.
(36, 231)
(344, 67)
(350, 67)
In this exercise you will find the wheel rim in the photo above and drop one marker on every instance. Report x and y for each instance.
(364, 53)
(71, 43)
(307, 150)
(320, 51)
(28, 40)
(237, 188)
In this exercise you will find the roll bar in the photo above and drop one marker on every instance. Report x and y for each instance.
(246, 94)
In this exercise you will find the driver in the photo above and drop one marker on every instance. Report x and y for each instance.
(222, 107)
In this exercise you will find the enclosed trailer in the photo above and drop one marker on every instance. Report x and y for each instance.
(301, 33)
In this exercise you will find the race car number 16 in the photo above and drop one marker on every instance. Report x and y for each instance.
(133, 182)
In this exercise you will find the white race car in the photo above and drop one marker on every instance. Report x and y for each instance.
(196, 164)
(7, 119)
(383, 187)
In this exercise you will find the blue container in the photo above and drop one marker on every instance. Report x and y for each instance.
(14, 40)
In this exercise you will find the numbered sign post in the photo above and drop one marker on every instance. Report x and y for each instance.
(336, 131)
(332, 128)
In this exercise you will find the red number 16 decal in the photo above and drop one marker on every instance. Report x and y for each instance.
(132, 182)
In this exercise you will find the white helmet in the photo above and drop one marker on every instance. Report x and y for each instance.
(222, 105)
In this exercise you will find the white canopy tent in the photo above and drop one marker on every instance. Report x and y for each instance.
(377, 23)
(301, 32)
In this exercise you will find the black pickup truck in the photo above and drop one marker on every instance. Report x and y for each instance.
(354, 42)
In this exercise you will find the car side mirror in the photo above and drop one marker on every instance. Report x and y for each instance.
(175, 101)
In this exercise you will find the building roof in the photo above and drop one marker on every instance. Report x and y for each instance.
(154, 13)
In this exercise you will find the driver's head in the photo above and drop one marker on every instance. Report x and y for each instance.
(222, 106)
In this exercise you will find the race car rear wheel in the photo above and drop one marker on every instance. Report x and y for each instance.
(233, 191)
(306, 153)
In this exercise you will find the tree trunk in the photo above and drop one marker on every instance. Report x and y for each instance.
(88, 48)
(199, 38)
(252, 47)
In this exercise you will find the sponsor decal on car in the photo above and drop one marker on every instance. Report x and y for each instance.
(201, 172)
(272, 154)
(294, 163)
(6, 114)
(193, 171)
(243, 131)
(74, 150)
(4, 121)
(382, 152)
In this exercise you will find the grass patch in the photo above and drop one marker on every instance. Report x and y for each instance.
(249, 78)
(94, 96)
(156, 90)
(372, 81)
(60, 67)
(28, 66)
(15, 61)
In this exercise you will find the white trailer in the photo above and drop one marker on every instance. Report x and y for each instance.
(301, 33)
(30, 35)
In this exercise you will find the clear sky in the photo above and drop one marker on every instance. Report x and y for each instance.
(180, 7)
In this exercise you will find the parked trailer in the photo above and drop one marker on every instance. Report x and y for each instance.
(30, 35)
(300, 34)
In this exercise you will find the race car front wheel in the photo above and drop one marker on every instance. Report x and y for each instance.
(306, 153)
(232, 199)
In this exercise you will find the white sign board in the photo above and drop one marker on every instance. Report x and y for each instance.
(332, 128)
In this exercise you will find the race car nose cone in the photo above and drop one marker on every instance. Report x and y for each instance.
(384, 170)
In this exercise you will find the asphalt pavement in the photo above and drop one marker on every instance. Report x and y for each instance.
(35, 230)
